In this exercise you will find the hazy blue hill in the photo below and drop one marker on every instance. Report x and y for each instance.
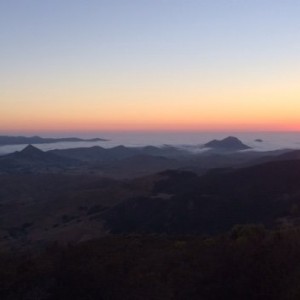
(85, 154)
(127, 162)
(166, 151)
(228, 144)
(98, 153)
(17, 140)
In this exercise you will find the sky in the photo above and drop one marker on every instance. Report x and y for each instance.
(97, 65)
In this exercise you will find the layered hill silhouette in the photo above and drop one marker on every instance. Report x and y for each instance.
(129, 162)
(98, 153)
(117, 162)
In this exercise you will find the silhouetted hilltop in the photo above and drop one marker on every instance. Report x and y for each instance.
(31, 152)
(230, 143)
(17, 140)
(32, 159)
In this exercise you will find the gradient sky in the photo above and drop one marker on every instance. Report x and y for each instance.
(149, 64)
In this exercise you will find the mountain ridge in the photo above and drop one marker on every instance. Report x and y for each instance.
(19, 140)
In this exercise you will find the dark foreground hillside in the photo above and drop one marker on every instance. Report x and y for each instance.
(247, 263)
(39, 208)
(184, 203)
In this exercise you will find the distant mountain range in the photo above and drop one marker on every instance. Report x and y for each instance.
(97, 153)
(129, 162)
(18, 140)
(114, 162)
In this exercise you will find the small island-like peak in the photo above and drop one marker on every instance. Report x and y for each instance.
(229, 143)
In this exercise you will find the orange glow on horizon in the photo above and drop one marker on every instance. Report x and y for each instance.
(166, 108)
(163, 126)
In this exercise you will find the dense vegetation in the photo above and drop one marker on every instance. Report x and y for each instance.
(247, 263)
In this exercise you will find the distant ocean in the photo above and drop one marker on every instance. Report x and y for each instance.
(259, 141)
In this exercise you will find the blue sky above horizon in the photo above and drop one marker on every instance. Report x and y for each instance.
(159, 64)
